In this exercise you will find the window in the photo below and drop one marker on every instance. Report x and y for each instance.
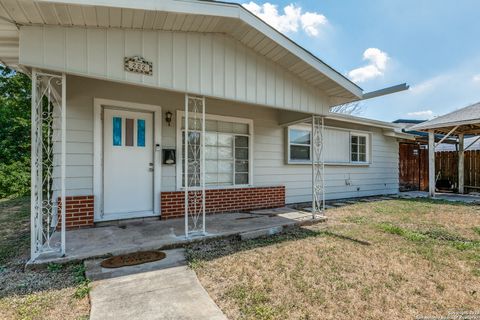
(227, 151)
(299, 144)
(117, 131)
(358, 148)
(340, 146)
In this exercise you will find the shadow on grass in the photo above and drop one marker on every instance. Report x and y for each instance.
(212, 249)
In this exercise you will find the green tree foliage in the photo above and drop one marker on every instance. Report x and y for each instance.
(14, 133)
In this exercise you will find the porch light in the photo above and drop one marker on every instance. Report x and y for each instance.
(168, 156)
(168, 117)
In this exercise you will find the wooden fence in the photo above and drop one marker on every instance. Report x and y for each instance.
(413, 168)
(446, 163)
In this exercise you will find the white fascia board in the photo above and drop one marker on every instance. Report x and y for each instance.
(176, 6)
(227, 10)
(348, 119)
(362, 121)
(398, 135)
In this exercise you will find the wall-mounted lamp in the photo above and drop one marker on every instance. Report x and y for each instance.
(168, 156)
(168, 117)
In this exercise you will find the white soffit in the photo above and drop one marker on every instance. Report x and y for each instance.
(174, 15)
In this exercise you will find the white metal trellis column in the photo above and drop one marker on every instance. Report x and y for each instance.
(194, 161)
(318, 167)
(48, 127)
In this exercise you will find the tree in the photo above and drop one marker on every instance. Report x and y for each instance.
(353, 108)
(15, 89)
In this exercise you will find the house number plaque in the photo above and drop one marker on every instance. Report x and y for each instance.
(138, 65)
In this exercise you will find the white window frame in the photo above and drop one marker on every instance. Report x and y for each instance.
(306, 127)
(302, 128)
(367, 146)
(179, 149)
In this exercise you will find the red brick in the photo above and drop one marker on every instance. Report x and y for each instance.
(78, 211)
(226, 200)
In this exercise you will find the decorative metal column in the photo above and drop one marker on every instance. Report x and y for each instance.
(48, 160)
(318, 167)
(194, 165)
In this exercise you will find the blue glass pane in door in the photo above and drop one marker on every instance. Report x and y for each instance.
(117, 131)
(140, 133)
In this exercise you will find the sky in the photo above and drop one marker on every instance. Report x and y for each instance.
(432, 45)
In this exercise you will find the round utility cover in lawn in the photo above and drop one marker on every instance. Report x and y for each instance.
(133, 259)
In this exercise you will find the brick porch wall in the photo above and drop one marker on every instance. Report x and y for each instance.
(226, 200)
(79, 212)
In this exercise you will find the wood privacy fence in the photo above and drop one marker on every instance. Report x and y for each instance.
(413, 168)
(446, 163)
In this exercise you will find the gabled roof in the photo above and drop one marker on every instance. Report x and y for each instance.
(468, 118)
(175, 15)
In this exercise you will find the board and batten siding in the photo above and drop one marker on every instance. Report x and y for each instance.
(210, 64)
(269, 163)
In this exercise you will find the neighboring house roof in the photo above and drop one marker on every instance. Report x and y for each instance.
(470, 142)
(175, 15)
(408, 121)
(469, 117)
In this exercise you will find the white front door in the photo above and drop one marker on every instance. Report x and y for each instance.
(128, 164)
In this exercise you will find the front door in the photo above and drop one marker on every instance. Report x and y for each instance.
(127, 164)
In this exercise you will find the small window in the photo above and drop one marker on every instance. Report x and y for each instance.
(140, 133)
(129, 132)
(117, 131)
(358, 145)
(299, 145)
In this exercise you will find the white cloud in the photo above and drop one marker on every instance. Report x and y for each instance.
(476, 78)
(311, 22)
(377, 64)
(424, 114)
(430, 84)
(291, 19)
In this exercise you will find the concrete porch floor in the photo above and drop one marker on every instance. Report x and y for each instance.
(135, 236)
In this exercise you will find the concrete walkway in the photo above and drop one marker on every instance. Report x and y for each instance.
(454, 197)
(165, 289)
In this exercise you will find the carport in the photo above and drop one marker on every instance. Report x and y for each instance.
(459, 124)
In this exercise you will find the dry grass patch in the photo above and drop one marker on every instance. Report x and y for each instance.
(384, 260)
(55, 292)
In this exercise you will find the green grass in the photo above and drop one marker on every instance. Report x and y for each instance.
(83, 284)
(441, 236)
(57, 291)
(476, 230)
(14, 229)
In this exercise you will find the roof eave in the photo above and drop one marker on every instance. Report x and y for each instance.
(426, 127)
(227, 10)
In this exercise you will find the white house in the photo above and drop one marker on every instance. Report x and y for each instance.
(120, 76)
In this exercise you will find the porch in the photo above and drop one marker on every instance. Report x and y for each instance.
(149, 234)
(68, 165)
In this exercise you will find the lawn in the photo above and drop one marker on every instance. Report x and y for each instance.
(52, 292)
(397, 259)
